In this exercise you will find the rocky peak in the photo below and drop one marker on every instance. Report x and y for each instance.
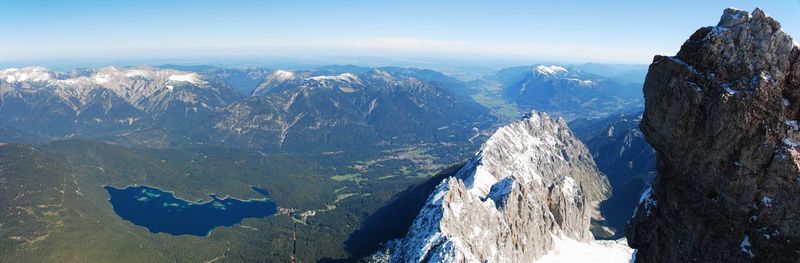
(281, 80)
(32, 74)
(532, 183)
(722, 116)
(550, 70)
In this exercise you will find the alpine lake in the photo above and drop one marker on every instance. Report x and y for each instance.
(161, 212)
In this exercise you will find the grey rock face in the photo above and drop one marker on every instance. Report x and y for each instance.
(721, 115)
(530, 182)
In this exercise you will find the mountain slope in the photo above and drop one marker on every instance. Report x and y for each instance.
(621, 153)
(305, 110)
(532, 183)
(108, 100)
(721, 115)
(565, 91)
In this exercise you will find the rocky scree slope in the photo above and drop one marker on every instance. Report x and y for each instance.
(722, 117)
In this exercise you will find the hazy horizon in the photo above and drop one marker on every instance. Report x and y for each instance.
(497, 34)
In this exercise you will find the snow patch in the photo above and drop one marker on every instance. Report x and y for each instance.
(682, 63)
(191, 78)
(282, 75)
(347, 77)
(745, 246)
(792, 124)
(568, 188)
(789, 142)
(101, 78)
(551, 70)
(766, 201)
(647, 202)
(730, 90)
(569, 250)
(12, 75)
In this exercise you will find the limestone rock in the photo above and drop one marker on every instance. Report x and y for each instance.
(531, 183)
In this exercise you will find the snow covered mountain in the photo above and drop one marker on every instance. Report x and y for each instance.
(528, 194)
(567, 92)
(301, 109)
(102, 100)
(285, 110)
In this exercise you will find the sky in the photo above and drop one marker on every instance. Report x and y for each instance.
(35, 31)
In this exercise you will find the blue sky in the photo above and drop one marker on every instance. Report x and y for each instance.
(567, 31)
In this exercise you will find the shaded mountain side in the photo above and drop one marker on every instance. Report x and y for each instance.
(624, 156)
(393, 220)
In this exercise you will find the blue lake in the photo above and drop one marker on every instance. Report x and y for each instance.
(162, 212)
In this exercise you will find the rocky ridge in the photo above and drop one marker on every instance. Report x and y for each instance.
(722, 116)
(531, 184)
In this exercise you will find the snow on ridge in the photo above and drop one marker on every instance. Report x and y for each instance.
(13, 75)
(136, 73)
(466, 214)
(131, 84)
(282, 75)
(551, 70)
(101, 78)
(190, 77)
(348, 77)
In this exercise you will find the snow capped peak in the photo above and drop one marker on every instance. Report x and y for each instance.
(190, 77)
(378, 74)
(34, 74)
(534, 166)
(346, 77)
(550, 70)
(281, 75)
(131, 84)
(104, 75)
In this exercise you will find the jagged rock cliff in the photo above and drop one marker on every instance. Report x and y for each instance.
(531, 185)
(722, 117)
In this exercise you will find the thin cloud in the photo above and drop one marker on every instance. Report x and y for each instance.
(382, 46)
